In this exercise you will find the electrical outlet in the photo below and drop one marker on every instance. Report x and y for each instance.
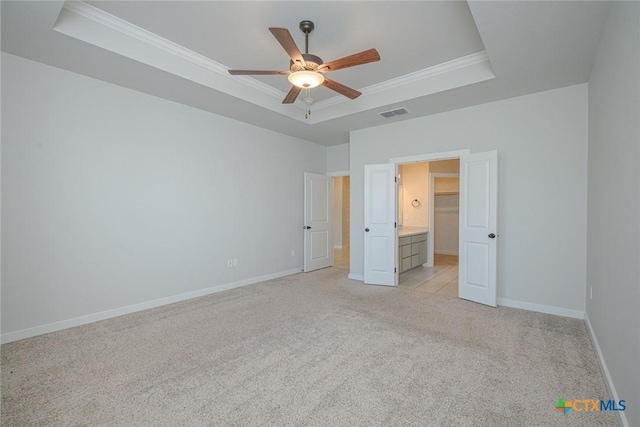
(293, 252)
(591, 292)
(229, 263)
(235, 262)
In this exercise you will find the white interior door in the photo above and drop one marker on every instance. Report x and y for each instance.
(478, 227)
(318, 245)
(380, 224)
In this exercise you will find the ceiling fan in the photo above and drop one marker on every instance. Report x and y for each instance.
(307, 71)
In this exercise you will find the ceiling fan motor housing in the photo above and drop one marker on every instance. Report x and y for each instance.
(312, 61)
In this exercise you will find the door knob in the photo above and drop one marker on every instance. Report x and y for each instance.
(366, 229)
(306, 227)
(492, 236)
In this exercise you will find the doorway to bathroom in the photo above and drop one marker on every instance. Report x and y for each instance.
(428, 232)
(478, 208)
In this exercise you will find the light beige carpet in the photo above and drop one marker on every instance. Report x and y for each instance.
(309, 349)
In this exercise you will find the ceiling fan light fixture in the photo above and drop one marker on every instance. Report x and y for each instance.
(306, 70)
(306, 79)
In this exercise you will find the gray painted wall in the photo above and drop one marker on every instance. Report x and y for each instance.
(613, 263)
(111, 197)
(542, 154)
(338, 158)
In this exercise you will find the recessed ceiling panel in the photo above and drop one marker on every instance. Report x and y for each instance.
(410, 36)
(529, 46)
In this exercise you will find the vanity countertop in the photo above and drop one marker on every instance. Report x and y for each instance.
(411, 231)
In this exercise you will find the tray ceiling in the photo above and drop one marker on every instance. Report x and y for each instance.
(436, 56)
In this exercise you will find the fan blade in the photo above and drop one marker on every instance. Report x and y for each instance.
(292, 95)
(256, 72)
(284, 38)
(363, 57)
(341, 89)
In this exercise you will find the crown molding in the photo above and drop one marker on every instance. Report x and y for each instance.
(411, 78)
(120, 25)
(452, 76)
(92, 25)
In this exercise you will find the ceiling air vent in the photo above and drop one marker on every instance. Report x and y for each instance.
(393, 113)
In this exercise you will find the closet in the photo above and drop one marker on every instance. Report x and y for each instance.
(446, 215)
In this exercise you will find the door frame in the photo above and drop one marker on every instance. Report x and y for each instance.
(421, 158)
(430, 157)
(431, 237)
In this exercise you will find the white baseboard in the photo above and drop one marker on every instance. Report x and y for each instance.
(95, 317)
(605, 370)
(359, 277)
(547, 309)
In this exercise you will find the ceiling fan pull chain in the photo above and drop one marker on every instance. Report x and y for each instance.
(308, 100)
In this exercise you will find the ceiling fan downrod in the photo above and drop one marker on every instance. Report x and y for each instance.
(306, 27)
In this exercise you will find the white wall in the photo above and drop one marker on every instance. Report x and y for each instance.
(614, 202)
(111, 197)
(338, 158)
(541, 140)
(415, 185)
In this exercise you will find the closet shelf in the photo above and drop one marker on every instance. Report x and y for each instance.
(447, 193)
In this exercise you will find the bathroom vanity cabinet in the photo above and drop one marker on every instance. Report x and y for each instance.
(412, 247)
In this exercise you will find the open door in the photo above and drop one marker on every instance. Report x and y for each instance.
(478, 227)
(318, 245)
(380, 225)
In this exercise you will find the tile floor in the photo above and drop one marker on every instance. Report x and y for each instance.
(441, 279)
(341, 258)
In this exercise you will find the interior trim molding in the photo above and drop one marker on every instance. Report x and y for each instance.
(426, 73)
(603, 367)
(124, 27)
(411, 78)
(430, 156)
(547, 309)
(455, 77)
(92, 25)
(358, 277)
(108, 314)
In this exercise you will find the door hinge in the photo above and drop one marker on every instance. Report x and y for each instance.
(394, 225)
(395, 270)
(395, 178)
